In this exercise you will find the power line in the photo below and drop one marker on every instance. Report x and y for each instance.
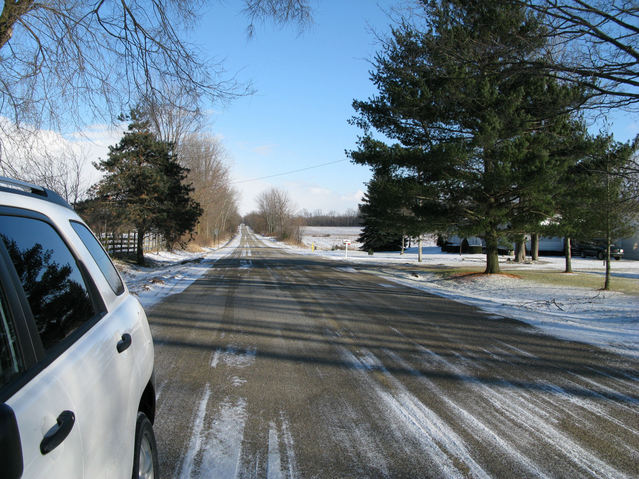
(289, 172)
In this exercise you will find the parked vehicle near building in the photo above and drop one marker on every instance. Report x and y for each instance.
(596, 248)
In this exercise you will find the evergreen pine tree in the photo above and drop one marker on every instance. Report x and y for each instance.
(482, 137)
(144, 185)
(380, 212)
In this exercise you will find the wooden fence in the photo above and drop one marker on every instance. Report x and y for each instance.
(126, 243)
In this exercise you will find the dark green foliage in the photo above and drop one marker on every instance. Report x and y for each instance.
(600, 198)
(58, 303)
(144, 185)
(608, 206)
(482, 141)
(381, 214)
(374, 239)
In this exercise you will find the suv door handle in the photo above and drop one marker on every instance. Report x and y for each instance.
(58, 433)
(124, 343)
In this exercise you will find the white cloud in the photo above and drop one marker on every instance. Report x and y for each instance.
(308, 196)
(264, 150)
(318, 191)
(313, 197)
(26, 147)
(357, 196)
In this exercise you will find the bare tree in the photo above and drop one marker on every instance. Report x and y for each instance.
(276, 208)
(46, 159)
(282, 11)
(175, 120)
(594, 43)
(98, 57)
(209, 174)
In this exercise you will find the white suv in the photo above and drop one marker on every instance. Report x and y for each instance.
(77, 397)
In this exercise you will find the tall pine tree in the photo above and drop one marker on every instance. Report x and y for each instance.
(612, 201)
(144, 185)
(381, 212)
(483, 138)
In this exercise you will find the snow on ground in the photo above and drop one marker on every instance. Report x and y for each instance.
(603, 318)
(330, 238)
(171, 272)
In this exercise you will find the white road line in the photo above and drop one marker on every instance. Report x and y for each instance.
(222, 453)
(290, 451)
(195, 444)
(274, 466)
(216, 358)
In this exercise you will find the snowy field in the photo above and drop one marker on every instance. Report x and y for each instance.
(604, 319)
(330, 238)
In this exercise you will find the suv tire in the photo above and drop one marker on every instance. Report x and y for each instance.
(145, 458)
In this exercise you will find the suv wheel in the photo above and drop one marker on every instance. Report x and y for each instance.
(145, 459)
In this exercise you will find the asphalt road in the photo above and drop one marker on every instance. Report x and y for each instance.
(277, 365)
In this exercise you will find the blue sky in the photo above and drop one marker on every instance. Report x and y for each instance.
(297, 118)
(305, 84)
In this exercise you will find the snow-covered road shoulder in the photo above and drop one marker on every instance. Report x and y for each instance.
(606, 319)
(171, 272)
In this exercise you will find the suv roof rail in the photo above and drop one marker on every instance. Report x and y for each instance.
(30, 189)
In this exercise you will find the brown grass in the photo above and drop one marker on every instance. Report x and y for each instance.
(192, 247)
(474, 274)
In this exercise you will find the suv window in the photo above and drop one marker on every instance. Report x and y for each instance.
(10, 359)
(99, 255)
(50, 276)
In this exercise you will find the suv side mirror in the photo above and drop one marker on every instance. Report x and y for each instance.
(10, 446)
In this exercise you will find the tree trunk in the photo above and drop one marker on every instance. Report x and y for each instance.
(607, 260)
(11, 13)
(534, 246)
(520, 249)
(419, 249)
(140, 248)
(403, 243)
(607, 214)
(568, 254)
(492, 254)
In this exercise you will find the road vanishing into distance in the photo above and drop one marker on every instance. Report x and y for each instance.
(276, 365)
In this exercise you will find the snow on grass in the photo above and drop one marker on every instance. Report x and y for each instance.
(603, 318)
(329, 238)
